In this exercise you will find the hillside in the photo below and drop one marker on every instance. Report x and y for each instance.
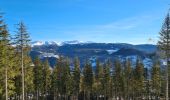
(89, 50)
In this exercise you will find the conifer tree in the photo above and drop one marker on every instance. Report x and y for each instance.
(98, 65)
(117, 77)
(29, 76)
(164, 46)
(4, 53)
(62, 82)
(106, 79)
(46, 78)
(7, 67)
(76, 77)
(57, 75)
(98, 85)
(156, 80)
(139, 78)
(22, 43)
(66, 79)
(87, 79)
(3, 56)
(128, 79)
(38, 77)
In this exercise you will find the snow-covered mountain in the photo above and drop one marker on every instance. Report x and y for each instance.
(37, 43)
(40, 43)
(72, 42)
(86, 50)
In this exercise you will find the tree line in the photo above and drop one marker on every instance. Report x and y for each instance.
(23, 78)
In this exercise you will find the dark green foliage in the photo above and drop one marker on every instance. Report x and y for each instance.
(87, 79)
(156, 80)
(118, 79)
(128, 80)
(76, 77)
(164, 47)
(46, 73)
(139, 78)
(38, 76)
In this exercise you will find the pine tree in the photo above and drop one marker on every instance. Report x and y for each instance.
(106, 79)
(128, 79)
(57, 79)
(29, 76)
(62, 81)
(38, 77)
(118, 78)
(76, 77)
(139, 78)
(67, 78)
(22, 43)
(7, 72)
(164, 46)
(46, 78)
(98, 85)
(3, 59)
(98, 65)
(87, 79)
(156, 80)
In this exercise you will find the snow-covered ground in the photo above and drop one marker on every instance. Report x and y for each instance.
(112, 51)
(44, 55)
(146, 61)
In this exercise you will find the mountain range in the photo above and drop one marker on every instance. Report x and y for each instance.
(91, 51)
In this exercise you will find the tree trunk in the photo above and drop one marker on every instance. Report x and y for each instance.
(22, 66)
(37, 95)
(6, 83)
(167, 79)
(54, 95)
(84, 97)
(88, 95)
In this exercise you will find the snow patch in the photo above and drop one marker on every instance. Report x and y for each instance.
(43, 55)
(112, 51)
(37, 43)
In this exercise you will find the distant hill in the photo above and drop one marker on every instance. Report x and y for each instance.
(87, 50)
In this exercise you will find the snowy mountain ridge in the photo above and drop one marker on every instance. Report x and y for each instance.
(40, 43)
(86, 50)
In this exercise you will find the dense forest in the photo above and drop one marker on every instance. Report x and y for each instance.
(23, 78)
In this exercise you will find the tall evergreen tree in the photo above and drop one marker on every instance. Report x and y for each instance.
(164, 46)
(98, 65)
(106, 79)
(57, 75)
(98, 85)
(7, 67)
(46, 78)
(128, 78)
(3, 56)
(117, 77)
(22, 43)
(156, 80)
(139, 78)
(87, 79)
(76, 77)
(38, 77)
(4, 44)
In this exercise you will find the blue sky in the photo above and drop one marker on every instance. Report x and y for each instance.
(111, 21)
